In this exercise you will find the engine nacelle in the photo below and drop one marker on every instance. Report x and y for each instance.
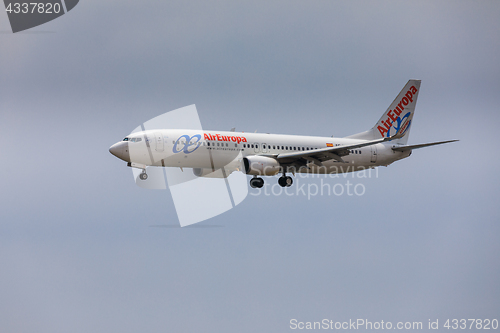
(261, 166)
(208, 173)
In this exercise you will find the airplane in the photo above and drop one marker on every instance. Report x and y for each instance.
(219, 153)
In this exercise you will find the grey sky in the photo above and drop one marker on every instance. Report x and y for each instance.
(79, 249)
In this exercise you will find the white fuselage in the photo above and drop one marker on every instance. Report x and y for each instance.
(216, 149)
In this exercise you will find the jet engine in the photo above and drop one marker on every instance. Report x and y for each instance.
(261, 166)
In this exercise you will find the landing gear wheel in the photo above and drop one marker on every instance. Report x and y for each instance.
(143, 176)
(285, 181)
(256, 182)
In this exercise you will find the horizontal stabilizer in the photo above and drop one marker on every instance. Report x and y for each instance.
(405, 148)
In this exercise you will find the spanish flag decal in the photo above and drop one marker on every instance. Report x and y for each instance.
(329, 144)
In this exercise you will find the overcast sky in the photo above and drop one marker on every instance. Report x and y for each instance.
(83, 249)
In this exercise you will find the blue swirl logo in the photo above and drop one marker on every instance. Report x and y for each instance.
(193, 141)
(397, 124)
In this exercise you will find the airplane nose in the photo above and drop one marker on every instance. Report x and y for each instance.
(120, 150)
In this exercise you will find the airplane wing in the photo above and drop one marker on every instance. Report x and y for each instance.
(317, 156)
(405, 148)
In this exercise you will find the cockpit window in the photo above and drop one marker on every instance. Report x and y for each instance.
(133, 139)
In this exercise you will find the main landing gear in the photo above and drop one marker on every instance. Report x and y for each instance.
(256, 182)
(284, 181)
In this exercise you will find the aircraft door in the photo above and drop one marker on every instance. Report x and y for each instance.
(264, 148)
(159, 141)
(256, 149)
(373, 154)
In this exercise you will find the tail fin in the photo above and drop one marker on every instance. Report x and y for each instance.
(397, 118)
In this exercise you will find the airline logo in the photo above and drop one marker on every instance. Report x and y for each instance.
(191, 142)
(219, 137)
(394, 119)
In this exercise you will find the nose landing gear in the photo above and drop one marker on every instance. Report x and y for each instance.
(143, 175)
